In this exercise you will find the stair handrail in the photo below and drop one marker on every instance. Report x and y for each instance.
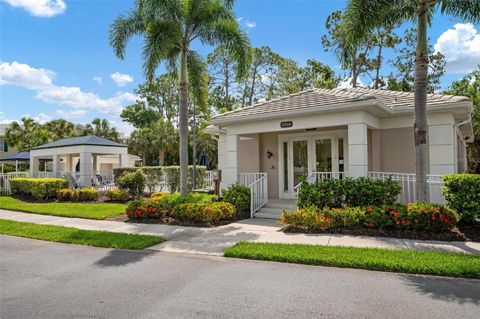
(258, 193)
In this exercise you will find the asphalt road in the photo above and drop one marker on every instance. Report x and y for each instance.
(50, 280)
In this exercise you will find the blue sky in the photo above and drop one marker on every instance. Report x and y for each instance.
(55, 60)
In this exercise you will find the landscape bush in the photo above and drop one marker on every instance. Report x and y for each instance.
(117, 195)
(335, 193)
(462, 192)
(158, 195)
(37, 188)
(416, 217)
(144, 209)
(239, 196)
(133, 182)
(64, 194)
(204, 212)
(87, 194)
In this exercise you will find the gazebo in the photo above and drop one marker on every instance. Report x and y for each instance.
(22, 157)
(85, 148)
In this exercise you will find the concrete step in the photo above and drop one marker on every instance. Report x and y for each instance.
(268, 212)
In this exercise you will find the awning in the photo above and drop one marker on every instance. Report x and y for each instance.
(23, 157)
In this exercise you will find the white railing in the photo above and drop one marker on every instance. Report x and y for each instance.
(103, 180)
(257, 182)
(5, 181)
(321, 176)
(44, 174)
(408, 182)
(210, 178)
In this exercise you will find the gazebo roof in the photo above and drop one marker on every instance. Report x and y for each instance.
(82, 140)
(22, 157)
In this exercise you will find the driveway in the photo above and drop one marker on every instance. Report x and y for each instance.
(51, 280)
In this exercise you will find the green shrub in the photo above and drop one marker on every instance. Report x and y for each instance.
(133, 182)
(121, 171)
(38, 188)
(348, 192)
(158, 195)
(416, 217)
(239, 196)
(87, 194)
(462, 192)
(204, 212)
(153, 177)
(117, 195)
(144, 209)
(64, 194)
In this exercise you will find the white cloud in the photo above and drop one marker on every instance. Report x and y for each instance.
(461, 47)
(42, 118)
(40, 80)
(3, 119)
(121, 79)
(347, 83)
(97, 79)
(70, 115)
(250, 24)
(40, 8)
(25, 76)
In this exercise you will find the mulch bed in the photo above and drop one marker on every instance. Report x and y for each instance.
(176, 222)
(463, 232)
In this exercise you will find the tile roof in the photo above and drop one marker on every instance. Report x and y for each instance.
(315, 98)
(82, 140)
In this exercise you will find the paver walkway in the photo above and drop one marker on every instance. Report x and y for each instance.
(213, 241)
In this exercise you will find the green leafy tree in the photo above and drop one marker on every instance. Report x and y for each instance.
(61, 128)
(27, 134)
(169, 27)
(404, 63)
(363, 16)
(469, 86)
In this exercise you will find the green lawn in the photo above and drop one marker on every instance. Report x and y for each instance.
(80, 210)
(77, 236)
(407, 261)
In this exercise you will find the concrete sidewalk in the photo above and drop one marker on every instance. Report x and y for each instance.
(213, 241)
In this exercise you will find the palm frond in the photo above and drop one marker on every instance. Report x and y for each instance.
(162, 40)
(123, 28)
(468, 10)
(198, 78)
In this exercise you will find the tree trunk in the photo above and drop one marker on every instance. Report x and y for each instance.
(183, 124)
(161, 157)
(379, 64)
(420, 94)
(252, 88)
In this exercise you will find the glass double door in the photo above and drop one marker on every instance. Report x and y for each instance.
(304, 155)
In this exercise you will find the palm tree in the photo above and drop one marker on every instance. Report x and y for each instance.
(163, 137)
(102, 128)
(60, 128)
(362, 16)
(169, 27)
(23, 135)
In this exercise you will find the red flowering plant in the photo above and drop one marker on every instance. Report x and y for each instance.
(144, 209)
(431, 217)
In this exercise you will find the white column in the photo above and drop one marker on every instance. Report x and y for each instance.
(230, 171)
(34, 166)
(123, 159)
(357, 150)
(442, 149)
(56, 166)
(85, 169)
(95, 165)
(69, 164)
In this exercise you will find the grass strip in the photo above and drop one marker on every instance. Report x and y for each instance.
(80, 210)
(70, 235)
(400, 260)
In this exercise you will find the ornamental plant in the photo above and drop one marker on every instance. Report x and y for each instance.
(134, 183)
(117, 195)
(37, 188)
(144, 209)
(462, 192)
(64, 194)
(87, 194)
(239, 196)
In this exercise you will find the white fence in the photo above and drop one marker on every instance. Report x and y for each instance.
(257, 182)
(5, 181)
(408, 182)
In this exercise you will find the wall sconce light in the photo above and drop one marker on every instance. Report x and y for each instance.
(269, 154)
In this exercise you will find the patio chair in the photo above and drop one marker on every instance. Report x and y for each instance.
(72, 183)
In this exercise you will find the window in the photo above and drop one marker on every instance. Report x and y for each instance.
(3, 145)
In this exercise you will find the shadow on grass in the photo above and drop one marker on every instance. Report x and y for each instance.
(456, 290)
(116, 258)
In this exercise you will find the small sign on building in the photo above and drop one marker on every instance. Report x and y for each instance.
(286, 124)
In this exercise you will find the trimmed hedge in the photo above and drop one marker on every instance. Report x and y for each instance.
(204, 212)
(170, 174)
(64, 194)
(462, 192)
(37, 188)
(134, 182)
(117, 195)
(417, 217)
(87, 194)
(348, 192)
